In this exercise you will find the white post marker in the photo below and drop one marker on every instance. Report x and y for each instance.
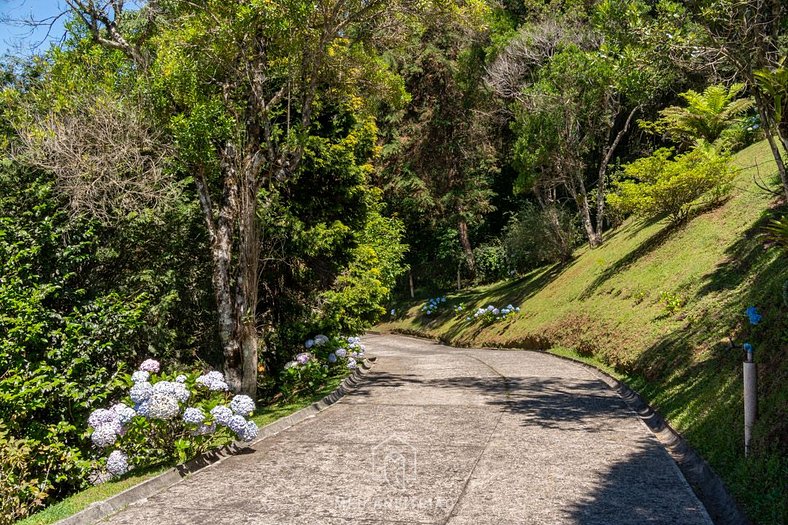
(750, 399)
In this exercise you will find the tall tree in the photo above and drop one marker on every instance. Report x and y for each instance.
(439, 158)
(232, 87)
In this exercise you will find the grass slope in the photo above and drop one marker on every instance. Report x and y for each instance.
(611, 304)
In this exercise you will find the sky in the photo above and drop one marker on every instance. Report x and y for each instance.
(15, 37)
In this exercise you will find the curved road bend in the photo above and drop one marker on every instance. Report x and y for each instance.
(446, 436)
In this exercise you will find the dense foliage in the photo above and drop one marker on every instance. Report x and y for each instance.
(210, 183)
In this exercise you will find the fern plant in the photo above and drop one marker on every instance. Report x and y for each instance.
(706, 116)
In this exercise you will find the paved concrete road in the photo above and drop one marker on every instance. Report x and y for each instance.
(447, 436)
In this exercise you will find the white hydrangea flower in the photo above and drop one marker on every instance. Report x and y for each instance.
(160, 406)
(141, 392)
(194, 416)
(124, 413)
(117, 463)
(351, 364)
(106, 434)
(102, 416)
(214, 381)
(150, 365)
(249, 432)
(237, 424)
(320, 340)
(140, 376)
(180, 379)
(242, 405)
(222, 414)
(171, 388)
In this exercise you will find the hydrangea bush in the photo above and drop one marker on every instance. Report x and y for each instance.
(433, 305)
(324, 356)
(167, 418)
(492, 314)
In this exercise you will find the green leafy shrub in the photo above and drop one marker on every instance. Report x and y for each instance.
(535, 236)
(777, 231)
(658, 186)
(492, 263)
(324, 356)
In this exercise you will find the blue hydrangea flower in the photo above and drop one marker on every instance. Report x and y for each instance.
(332, 357)
(124, 413)
(309, 343)
(393, 312)
(237, 424)
(180, 379)
(242, 405)
(150, 365)
(117, 463)
(140, 376)
(193, 416)
(141, 392)
(249, 432)
(222, 414)
(320, 340)
(341, 352)
(351, 364)
(754, 316)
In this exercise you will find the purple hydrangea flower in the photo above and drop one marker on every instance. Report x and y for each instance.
(102, 416)
(341, 352)
(302, 358)
(150, 365)
(117, 463)
(106, 434)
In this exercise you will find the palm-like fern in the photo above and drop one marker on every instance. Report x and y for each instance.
(706, 116)
(777, 231)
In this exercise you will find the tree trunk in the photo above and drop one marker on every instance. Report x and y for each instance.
(601, 186)
(410, 283)
(247, 288)
(466, 246)
(769, 131)
(578, 190)
(547, 201)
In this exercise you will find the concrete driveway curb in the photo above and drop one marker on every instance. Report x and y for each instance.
(147, 488)
(705, 483)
